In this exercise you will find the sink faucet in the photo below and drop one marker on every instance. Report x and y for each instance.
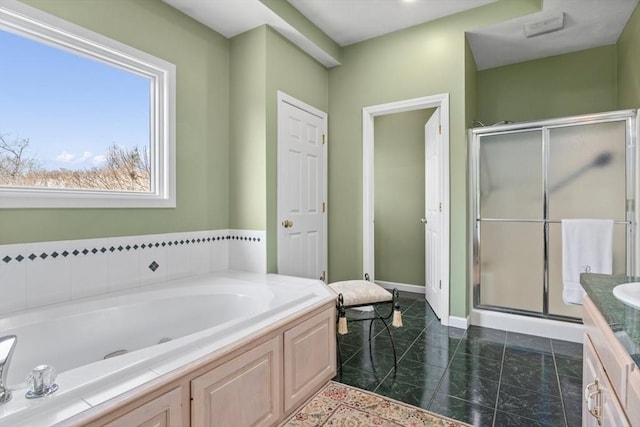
(7, 345)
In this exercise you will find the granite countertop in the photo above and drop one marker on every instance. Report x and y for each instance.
(623, 319)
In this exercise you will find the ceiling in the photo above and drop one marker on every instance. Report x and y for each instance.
(352, 21)
(587, 24)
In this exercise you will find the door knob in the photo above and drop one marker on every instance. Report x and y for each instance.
(287, 223)
(423, 220)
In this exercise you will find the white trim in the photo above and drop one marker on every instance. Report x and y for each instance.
(635, 155)
(404, 287)
(368, 114)
(284, 98)
(459, 322)
(48, 29)
(528, 325)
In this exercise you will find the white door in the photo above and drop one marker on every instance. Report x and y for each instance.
(301, 189)
(433, 209)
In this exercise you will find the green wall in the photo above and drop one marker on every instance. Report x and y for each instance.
(263, 63)
(424, 60)
(247, 141)
(564, 85)
(201, 59)
(399, 194)
(628, 50)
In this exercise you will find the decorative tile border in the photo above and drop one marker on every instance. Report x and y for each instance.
(128, 247)
(42, 273)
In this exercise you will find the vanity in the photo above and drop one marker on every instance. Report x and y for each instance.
(611, 369)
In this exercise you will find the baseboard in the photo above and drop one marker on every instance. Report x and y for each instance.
(416, 289)
(459, 322)
(528, 325)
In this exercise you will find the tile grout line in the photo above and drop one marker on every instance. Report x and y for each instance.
(504, 350)
(403, 354)
(445, 370)
(555, 366)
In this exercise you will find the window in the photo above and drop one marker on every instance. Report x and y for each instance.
(85, 121)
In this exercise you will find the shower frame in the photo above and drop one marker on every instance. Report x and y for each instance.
(544, 126)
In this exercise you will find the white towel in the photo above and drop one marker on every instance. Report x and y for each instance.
(587, 247)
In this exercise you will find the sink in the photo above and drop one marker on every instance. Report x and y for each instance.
(628, 293)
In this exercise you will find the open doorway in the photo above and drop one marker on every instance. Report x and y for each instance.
(430, 227)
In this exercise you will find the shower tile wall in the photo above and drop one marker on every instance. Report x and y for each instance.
(37, 274)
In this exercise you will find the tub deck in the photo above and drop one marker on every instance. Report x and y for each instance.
(86, 381)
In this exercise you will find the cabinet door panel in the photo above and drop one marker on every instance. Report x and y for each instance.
(163, 411)
(606, 400)
(242, 392)
(309, 357)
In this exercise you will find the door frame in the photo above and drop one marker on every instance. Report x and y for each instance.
(369, 113)
(288, 99)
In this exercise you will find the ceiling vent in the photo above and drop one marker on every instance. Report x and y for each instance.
(545, 25)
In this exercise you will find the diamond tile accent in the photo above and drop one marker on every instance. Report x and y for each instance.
(129, 247)
(154, 266)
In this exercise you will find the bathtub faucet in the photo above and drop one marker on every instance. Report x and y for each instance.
(7, 345)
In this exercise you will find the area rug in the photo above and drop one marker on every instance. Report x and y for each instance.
(341, 405)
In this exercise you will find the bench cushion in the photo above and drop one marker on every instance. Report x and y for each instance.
(360, 292)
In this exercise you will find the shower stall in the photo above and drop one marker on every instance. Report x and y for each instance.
(526, 178)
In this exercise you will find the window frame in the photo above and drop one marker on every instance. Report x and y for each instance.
(29, 22)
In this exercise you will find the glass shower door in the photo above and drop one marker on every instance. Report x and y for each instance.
(510, 227)
(526, 179)
(586, 179)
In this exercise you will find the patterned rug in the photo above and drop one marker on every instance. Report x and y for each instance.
(341, 405)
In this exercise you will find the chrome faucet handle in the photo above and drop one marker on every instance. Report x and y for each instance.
(7, 345)
(41, 381)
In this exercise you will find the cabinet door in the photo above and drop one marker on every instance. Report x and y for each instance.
(604, 398)
(589, 377)
(244, 391)
(163, 411)
(309, 357)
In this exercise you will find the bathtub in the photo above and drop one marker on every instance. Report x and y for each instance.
(152, 331)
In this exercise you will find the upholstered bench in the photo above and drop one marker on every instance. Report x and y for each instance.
(362, 293)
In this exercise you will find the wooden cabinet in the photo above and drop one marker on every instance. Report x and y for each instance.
(242, 392)
(600, 406)
(257, 383)
(264, 384)
(163, 411)
(611, 379)
(309, 357)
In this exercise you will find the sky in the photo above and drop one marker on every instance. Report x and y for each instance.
(71, 108)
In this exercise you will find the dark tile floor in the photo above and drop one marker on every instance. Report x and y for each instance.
(485, 377)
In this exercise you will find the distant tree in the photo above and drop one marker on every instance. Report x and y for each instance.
(14, 158)
(124, 169)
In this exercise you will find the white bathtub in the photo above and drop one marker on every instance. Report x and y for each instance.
(198, 315)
